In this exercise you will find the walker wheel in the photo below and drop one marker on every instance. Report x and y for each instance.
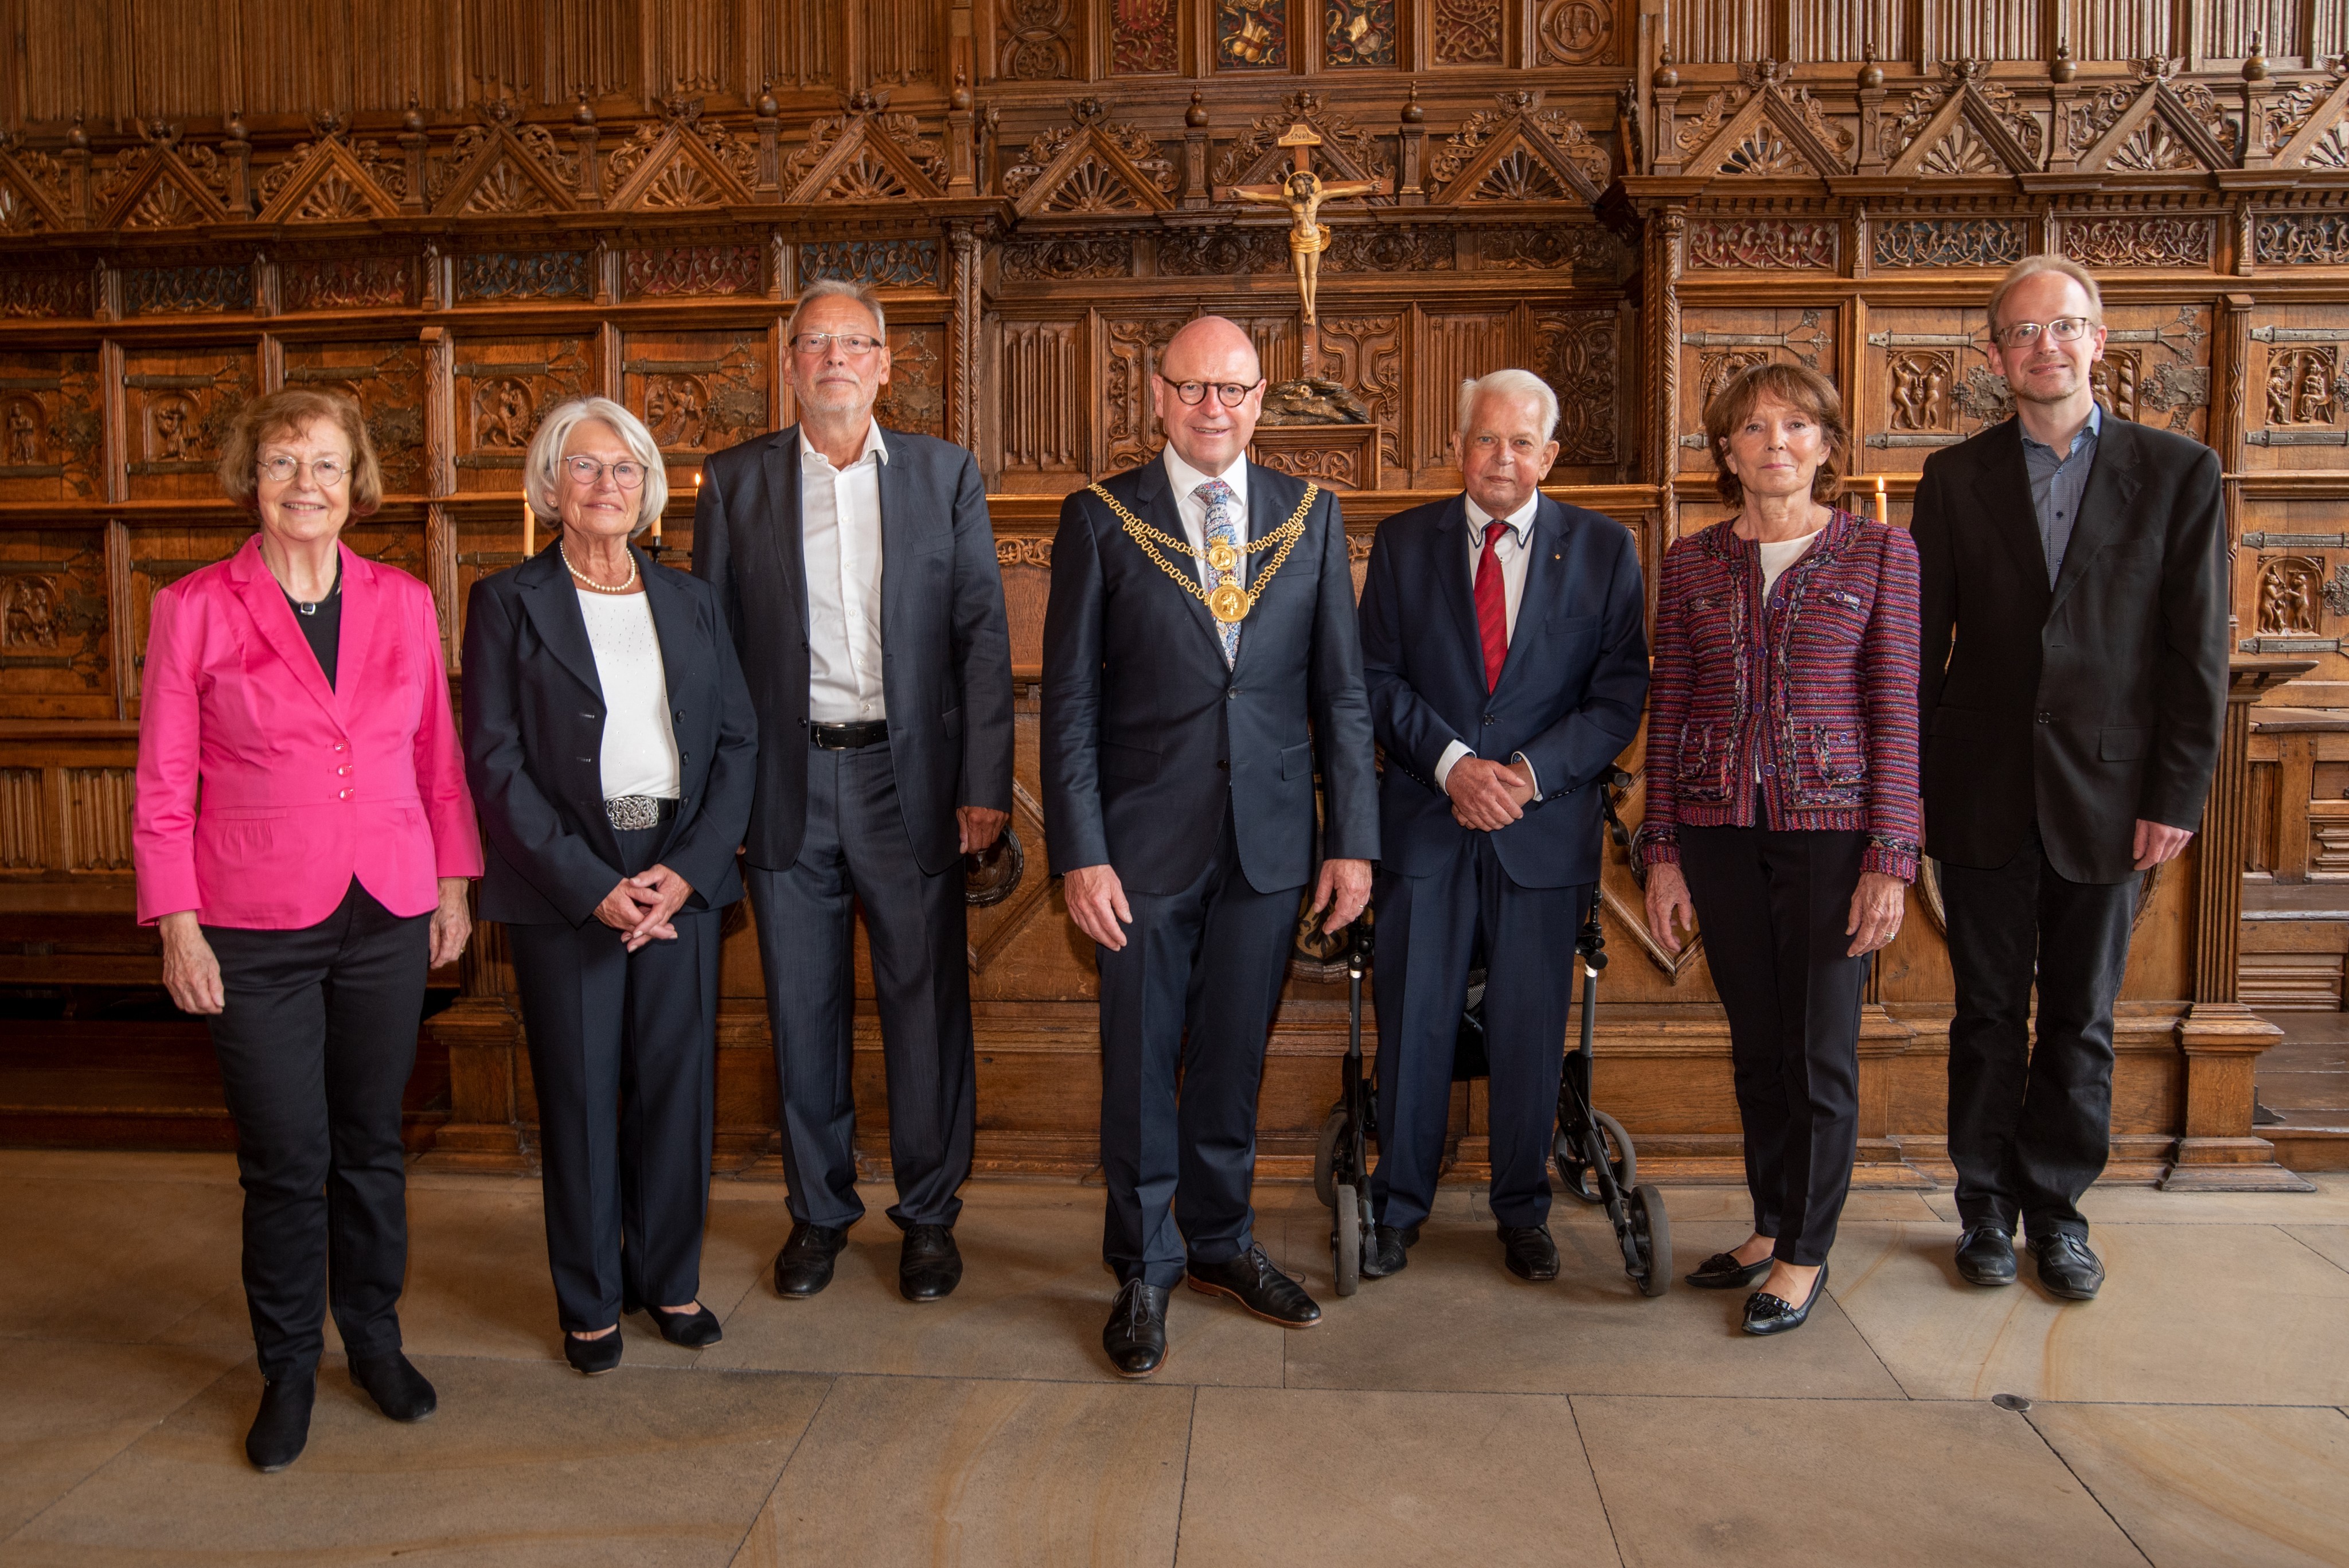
(1574, 1167)
(1650, 1240)
(1325, 1155)
(1346, 1240)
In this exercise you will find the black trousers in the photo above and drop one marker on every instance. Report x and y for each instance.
(2030, 1128)
(856, 851)
(1191, 996)
(622, 1049)
(1773, 908)
(315, 1045)
(1428, 928)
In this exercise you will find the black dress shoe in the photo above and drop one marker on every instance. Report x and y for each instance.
(1252, 1281)
(1986, 1255)
(1389, 1250)
(399, 1390)
(1135, 1336)
(594, 1358)
(695, 1328)
(1529, 1251)
(2066, 1267)
(929, 1265)
(281, 1428)
(1767, 1313)
(805, 1265)
(1722, 1271)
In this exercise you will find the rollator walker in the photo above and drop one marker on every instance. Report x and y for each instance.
(1592, 1153)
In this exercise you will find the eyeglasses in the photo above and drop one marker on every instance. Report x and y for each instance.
(589, 473)
(327, 471)
(1231, 394)
(2062, 330)
(855, 345)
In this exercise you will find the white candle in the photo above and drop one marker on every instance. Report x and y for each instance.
(529, 529)
(1883, 506)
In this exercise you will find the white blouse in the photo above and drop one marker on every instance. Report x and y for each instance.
(639, 745)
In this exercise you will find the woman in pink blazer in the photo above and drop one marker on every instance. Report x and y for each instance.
(303, 837)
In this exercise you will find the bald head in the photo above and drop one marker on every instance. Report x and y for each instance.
(1210, 352)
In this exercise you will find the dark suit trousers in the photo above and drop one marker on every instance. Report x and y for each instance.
(857, 853)
(315, 1045)
(622, 1049)
(2030, 1128)
(1428, 929)
(1192, 994)
(1773, 908)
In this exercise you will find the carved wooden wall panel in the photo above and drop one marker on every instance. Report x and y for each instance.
(463, 215)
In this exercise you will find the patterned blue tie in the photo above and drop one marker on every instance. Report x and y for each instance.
(1217, 497)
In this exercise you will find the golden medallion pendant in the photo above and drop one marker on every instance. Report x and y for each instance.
(1223, 558)
(1228, 603)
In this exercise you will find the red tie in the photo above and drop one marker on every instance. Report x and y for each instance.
(1492, 605)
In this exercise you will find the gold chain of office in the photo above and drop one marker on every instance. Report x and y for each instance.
(1228, 602)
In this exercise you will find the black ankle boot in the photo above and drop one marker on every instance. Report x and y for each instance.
(281, 1428)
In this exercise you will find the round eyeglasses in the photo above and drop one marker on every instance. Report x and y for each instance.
(327, 471)
(1231, 394)
(589, 473)
(2062, 330)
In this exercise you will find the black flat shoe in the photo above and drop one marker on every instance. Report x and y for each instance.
(1389, 1250)
(1135, 1336)
(1528, 1251)
(1252, 1281)
(399, 1390)
(805, 1265)
(2066, 1267)
(281, 1428)
(929, 1265)
(1986, 1255)
(1767, 1313)
(695, 1328)
(592, 1357)
(1722, 1271)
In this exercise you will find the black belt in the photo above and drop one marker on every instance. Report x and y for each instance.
(847, 737)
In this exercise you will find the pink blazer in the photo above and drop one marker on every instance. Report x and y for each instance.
(261, 790)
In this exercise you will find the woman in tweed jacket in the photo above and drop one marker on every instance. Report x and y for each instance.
(1783, 807)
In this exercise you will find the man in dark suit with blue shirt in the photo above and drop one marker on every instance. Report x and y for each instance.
(1201, 657)
(1504, 643)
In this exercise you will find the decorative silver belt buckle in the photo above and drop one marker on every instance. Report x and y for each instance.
(632, 811)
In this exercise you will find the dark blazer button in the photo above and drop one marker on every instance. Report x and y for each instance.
(680, 715)
(1490, 720)
(1225, 763)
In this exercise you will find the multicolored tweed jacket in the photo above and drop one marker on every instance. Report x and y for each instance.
(1819, 688)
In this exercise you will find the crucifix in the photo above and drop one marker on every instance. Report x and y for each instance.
(1302, 192)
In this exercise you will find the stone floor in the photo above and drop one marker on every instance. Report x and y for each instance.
(2192, 1417)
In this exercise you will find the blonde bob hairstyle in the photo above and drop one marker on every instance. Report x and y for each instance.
(289, 412)
(542, 467)
(1801, 389)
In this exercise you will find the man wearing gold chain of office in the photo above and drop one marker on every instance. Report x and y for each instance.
(1201, 657)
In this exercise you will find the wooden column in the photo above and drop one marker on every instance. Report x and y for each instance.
(2221, 1037)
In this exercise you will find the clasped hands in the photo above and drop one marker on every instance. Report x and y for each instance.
(1097, 899)
(640, 907)
(1489, 796)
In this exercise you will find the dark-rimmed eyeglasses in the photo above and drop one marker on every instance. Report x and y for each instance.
(329, 472)
(589, 473)
(2062, 330)
(1231, 394)
(855, 345)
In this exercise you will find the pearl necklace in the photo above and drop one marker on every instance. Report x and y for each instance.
(587, 581)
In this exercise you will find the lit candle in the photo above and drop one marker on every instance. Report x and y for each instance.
(1883, 506)
(529, 529)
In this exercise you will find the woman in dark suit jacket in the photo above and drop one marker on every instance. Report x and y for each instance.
(1782, 801)
(609, 740)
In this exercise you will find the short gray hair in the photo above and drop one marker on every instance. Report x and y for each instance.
(1510, 383)
(837, 289)
(541, 468)
(2031, 266)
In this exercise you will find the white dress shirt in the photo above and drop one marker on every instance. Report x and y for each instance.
(1511, 553)
(639, 753)
(1186, 481)
(840, 547)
